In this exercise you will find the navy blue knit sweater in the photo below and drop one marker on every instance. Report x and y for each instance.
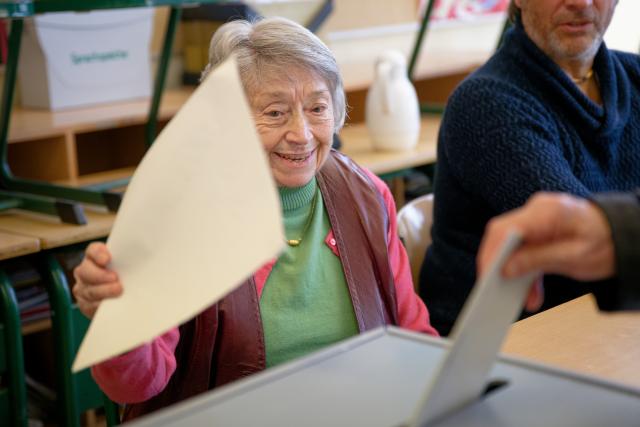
(516, 126)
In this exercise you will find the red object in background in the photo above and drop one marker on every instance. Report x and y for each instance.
(4, 42)
(465, 9)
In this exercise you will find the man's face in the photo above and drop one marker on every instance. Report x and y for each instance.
(567, 30)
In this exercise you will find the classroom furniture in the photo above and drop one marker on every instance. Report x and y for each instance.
(76, 393)
(414, 229)
(577, 336)
(41, 196)
(358, 146)
(377, 379)
(13, 393)
(392, 166)
(415, 53)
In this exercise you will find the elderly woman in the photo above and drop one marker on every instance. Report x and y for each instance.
(344, 270)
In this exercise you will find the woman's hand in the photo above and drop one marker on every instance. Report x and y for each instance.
(94, 281)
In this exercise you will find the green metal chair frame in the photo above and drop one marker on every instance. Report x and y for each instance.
(76, 392)
(13, 398)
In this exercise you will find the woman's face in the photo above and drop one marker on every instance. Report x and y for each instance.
(294, 118)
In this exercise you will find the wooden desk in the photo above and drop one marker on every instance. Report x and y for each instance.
(576, 336)
(356, 144)
(52, 233)
(23, 233)
(14, 245)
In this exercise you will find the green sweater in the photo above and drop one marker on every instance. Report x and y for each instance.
(305, 303)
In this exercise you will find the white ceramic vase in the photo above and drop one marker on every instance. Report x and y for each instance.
(392, 109)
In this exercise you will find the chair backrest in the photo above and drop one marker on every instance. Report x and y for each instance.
(76, 393)
(13, 392)
(414, 229)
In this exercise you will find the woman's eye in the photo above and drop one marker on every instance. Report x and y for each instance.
(319, 109)
(274, 114)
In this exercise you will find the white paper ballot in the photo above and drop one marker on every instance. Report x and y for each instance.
(477, 335)
(200, 215)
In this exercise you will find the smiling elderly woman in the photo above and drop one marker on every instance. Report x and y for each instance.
(344, 270)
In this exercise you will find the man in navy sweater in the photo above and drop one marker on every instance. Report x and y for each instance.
(552, 110)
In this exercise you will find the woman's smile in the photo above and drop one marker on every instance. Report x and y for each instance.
(296, 160)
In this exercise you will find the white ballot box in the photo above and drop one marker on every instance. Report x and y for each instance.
(378, 378)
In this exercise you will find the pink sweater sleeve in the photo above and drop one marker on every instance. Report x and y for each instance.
(412, 313)
(140, 374)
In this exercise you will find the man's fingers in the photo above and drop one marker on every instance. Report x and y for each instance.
(557, 258)
(495, 235)
(535, 298)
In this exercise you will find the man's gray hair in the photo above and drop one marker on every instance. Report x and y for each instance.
(276, 44)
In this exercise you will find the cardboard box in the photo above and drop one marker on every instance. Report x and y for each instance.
(74, 59)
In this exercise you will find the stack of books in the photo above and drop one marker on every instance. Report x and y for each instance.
(33, 303)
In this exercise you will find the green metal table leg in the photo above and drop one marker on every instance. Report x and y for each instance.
(77, 392)
(14, 355)
(320, 16)
(425, 108)
(431, 108)
(161, 74)
(69, 212)
(417, 46)
(7, 202)
(61, 319)
(7, 94)
(111, 200)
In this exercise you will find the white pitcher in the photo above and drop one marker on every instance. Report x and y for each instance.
(392, 109)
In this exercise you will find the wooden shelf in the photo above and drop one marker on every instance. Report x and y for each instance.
(77, 146)
(105, 143)
(36, 326)
(30, 124)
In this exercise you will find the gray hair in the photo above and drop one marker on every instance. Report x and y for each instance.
(276, 44)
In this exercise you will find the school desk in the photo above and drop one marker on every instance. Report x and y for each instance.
(577, 336)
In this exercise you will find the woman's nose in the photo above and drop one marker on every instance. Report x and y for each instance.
(299, 130)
